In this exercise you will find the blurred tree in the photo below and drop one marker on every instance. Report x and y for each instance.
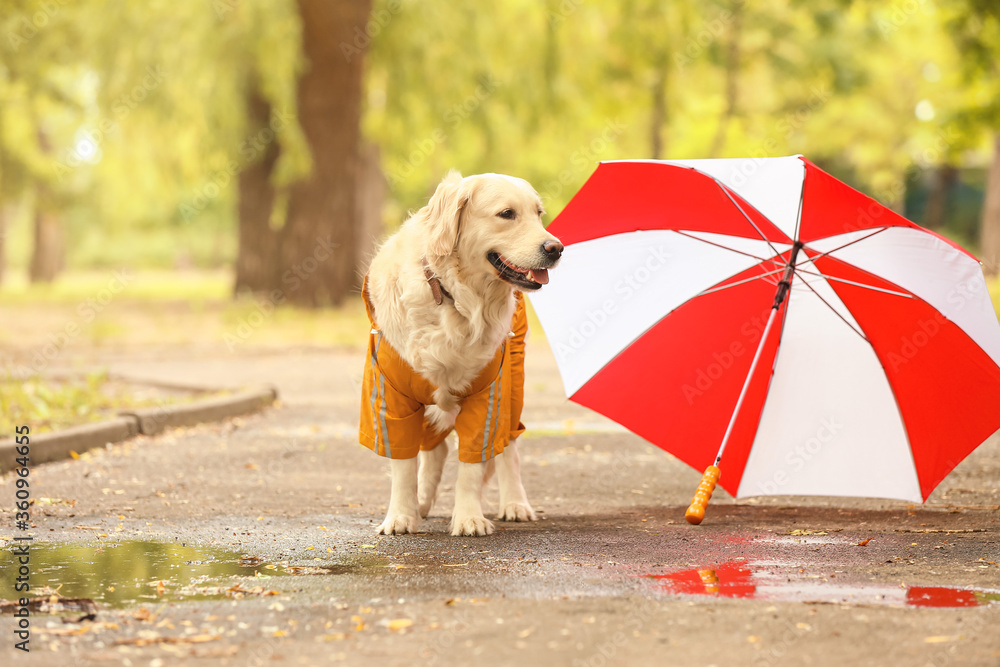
(312, 258)
(256, 268)
(975, 26)
(322, 208)
(39, 93)
(989, 240)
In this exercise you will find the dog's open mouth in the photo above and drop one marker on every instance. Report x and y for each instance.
(527, 279)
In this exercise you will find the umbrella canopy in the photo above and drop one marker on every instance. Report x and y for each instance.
(877, 374)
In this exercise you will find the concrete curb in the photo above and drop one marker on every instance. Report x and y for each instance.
(48, 447)
(154, 420)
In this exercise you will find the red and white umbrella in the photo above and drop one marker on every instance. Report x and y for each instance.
(875, 376)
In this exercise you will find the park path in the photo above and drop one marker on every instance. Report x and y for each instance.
(610, 575)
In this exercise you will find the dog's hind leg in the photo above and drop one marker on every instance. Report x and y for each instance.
(432, 461)
(431, 465)
(514, 504)
(468, 517)
(402, 515)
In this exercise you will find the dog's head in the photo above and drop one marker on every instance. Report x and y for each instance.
(492, 224)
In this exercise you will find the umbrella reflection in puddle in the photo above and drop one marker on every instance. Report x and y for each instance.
(744, 580)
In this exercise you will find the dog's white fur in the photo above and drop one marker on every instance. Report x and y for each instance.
(450, 344)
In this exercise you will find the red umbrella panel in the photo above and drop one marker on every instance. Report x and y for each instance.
(832, 346)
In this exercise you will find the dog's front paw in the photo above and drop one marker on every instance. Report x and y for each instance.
(471, 525)
(399, 524)
(516, 512)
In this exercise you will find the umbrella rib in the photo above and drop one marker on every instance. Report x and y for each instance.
(824, 254)
(740, 282)
(719, 245)
(835, 311)
(740, 209)
(857, 284)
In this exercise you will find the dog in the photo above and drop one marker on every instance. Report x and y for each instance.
(446, 347)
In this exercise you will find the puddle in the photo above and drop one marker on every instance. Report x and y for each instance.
(762, 581)
(123, 574)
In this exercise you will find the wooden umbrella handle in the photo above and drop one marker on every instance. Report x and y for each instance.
(696, 512)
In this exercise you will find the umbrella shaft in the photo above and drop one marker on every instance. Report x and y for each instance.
(746, 383)
(783, 287)
(786, 280)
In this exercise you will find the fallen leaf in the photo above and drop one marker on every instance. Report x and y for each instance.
(399, 624)
(863, 543)
(143, 614)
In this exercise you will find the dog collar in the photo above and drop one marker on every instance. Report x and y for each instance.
(437, 289)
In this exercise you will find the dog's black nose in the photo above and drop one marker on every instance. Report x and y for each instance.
(552, 249)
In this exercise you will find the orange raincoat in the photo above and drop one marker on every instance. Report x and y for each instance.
(393, 398)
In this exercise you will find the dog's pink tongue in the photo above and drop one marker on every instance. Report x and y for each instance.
(540, 276)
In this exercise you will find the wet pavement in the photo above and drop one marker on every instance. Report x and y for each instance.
(253, 542)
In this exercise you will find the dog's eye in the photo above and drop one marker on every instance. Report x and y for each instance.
(507, 214)
(540, 213)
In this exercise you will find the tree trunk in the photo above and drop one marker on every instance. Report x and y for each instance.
(658, 118)
(318, 245)
(944, 179)
(49, 251)
(5, 217)
(990, 231)
(256, 260)
(732, 80)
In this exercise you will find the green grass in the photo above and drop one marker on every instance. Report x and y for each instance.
(50, 406)
(147, 285)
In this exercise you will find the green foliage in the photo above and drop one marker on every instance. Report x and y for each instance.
(545, 90)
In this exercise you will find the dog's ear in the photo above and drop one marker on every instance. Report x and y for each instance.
(443, 214)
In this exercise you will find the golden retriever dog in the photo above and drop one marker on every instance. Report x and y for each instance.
(442, 293)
